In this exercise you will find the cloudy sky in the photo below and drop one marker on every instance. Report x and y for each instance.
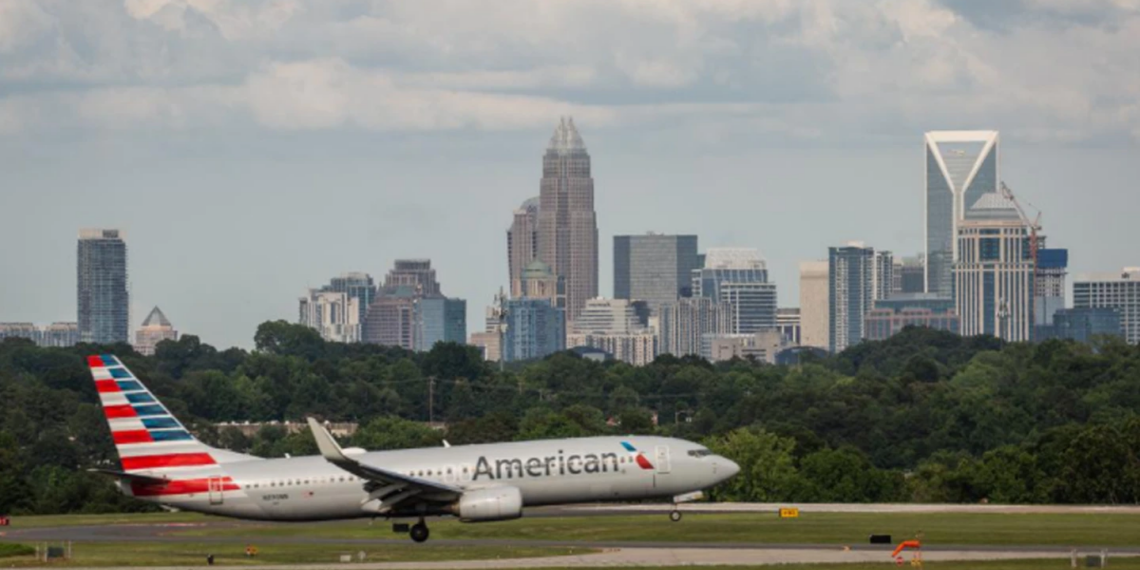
(252, 149)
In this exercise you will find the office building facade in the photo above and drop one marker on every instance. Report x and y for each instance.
(682, 325)
(788, 324)
(909, 275)
(994, 277)
(414, 275)
(538, 281)
(356, 285)
(439, 319)
(391, 319)
(1083, 325)
(636, 348)
(55, 335)
(893, 314)
(961, 166)
(534, 329)
(522, 243)
(155, 329)
(1120, 291)
(103, 301)
(1052, 268)
(857, 276)
(739, 277)
(567, 224)
(654, 268)
(815, 304)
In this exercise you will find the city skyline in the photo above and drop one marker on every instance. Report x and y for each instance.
(244, 180)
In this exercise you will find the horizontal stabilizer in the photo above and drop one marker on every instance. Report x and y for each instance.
(145, 480)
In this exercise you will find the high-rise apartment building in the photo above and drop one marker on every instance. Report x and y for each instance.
(155, 329)
(439, 319)
(567, 224)
(655, 268)
(684, 324)
(619, 327)
(103, 302)
(1120, 291)
(535, 329)
(522, 243)
(334, 314)
(356, 285)
(961, 166)
(857, 276)
(993, 277)
(815, 305)
(739, 277)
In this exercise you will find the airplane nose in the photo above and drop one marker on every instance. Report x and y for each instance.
(730, 467)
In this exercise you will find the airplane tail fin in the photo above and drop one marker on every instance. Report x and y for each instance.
(150, 441)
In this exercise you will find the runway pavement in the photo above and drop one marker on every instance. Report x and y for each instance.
(615, 553)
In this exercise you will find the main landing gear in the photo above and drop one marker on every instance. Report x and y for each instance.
(419, 531)
(675, 516)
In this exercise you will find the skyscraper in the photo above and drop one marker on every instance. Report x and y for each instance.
(738, 276)
(617, 326)
(815, 307)
(539, 282)
(356, 285)
(961, 166)
(655, 268)
(857, 276)
(910, 275)
(104, 306)
(522, 243)
(535, 329)
(155, 329)
(1120, 291)
(993, 278)
(1052, 267)
(440, 319)
(416, 274)
(567, 224)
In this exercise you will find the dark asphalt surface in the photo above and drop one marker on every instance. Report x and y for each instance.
(169, 532)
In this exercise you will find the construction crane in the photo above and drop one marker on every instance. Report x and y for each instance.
(1034, 225)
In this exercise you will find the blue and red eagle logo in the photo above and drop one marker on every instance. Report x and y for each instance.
(638, 456)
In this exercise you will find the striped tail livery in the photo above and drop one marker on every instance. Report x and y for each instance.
(159, 457)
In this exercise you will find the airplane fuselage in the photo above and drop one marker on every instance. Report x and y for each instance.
(546, 472)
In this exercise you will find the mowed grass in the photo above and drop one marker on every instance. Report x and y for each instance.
(819, 528)
(1045, 564)
(155, 554)
(42, 521)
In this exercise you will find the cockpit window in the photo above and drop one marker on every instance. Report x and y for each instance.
(698, 453)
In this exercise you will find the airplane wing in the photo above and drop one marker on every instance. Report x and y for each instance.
(388, 487)
(132, 477)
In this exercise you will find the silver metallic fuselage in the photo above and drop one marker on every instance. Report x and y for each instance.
(547, 472)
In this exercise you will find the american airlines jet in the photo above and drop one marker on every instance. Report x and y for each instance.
(162, 462)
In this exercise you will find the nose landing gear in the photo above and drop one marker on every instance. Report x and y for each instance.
(675, 516)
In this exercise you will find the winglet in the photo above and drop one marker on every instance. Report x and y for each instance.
(325, 442)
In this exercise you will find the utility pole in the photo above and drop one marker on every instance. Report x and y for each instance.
(431, 399)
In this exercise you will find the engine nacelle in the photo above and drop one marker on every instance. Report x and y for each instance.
(490, 504)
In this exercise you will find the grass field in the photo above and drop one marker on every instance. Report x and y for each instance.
(821, 528)
(8, 549)
(42, 521)
(151, 554)
(1058, 564)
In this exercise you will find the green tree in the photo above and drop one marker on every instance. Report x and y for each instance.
(767, 469)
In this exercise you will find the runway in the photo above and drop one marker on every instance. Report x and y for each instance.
(612, 553)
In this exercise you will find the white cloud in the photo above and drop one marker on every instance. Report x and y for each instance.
(891, 66)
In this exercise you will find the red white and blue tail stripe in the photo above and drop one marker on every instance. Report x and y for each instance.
(150, 440)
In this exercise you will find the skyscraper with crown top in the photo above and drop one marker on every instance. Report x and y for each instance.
(567, 224)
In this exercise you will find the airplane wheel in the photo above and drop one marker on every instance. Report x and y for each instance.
(675, 516)
(419, 532)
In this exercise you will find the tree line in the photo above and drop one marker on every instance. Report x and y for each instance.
(924, 416)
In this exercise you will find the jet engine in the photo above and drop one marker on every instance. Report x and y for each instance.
(490, 504)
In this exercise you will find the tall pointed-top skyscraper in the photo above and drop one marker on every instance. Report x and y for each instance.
(961, 166)
(567, 225)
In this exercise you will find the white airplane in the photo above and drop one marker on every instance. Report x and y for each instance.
(162, 462)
